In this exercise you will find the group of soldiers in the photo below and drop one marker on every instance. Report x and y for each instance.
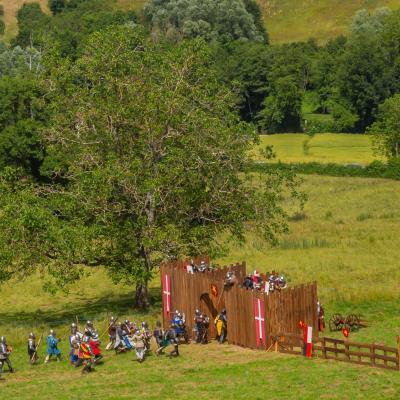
(123, 336)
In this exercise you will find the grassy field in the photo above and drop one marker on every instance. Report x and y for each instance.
(346, 239)
(292, 20)
(323, 148)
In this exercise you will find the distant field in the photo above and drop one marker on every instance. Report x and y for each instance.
(323, 148)
(293, 20)
(10, 10)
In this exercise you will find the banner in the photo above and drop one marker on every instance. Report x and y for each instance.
(166, 283)
(260, 322)
(307, 341)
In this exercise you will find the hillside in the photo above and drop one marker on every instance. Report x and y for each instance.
(293, 20)
(286, 20)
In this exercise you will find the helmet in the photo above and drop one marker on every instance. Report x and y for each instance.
(112, 320)
(89, 323)
(74, 327)
(127, 322)
(52, 332)
(223, 311)
(179, 315)
(197, 312)
(32, 335)
(3, 340)
(144, 324)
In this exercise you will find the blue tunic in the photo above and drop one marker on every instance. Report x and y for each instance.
(52, 348)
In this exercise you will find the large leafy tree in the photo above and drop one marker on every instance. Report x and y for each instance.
(154, 167)
(221, 20)
(386, 130)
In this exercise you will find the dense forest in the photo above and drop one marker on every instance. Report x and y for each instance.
(110, 121)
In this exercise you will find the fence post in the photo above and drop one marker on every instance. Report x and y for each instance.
(372, 350)
(346, 348)
(398, 353)
(323, 348)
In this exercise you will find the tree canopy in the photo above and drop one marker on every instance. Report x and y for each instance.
(153, 165)
(213, 20)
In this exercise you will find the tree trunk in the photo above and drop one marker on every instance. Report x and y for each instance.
(142, 292)
(142, 296)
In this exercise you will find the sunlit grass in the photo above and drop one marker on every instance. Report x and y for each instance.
(323, 148)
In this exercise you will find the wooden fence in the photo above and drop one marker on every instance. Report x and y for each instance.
(372, 354)
(281, 311)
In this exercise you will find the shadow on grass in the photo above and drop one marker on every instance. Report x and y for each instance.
(96, 309)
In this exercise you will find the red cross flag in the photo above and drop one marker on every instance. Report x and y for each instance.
(166, 283)
(260, 322)
(307, 345)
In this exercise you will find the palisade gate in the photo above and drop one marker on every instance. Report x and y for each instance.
(253, 317)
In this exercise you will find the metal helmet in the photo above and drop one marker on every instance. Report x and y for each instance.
(52, 332)
(3, 340)
(197, 312)
(223, 311)
(179, 315)
(74, 327)
(89, 324)
(144, 324)
(127, 322)
(112, 320)
(32, 336)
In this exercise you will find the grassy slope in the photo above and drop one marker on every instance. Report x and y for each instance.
(293, 20)
(323, 148)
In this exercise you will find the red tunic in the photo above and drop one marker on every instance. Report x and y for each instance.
(95, 346)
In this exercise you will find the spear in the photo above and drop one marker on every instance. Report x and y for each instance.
(36, 349)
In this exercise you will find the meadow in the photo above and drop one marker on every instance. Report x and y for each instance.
(338, 148)
(346, 238)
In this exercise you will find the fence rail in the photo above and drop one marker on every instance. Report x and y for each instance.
(371, 354)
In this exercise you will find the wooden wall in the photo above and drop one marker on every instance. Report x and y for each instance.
(283, 310)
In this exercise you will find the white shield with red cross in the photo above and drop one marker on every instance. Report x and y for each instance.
(259, 322)
(166, 283)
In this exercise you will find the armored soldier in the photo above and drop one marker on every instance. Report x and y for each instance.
(112, 329)
(32, 353)
(206, 324)
(221, 326)
(140, 347)
(169, 339)
(199, 325)
(89, 328)
(158, 334)
(146, 335)
(5, 352)
(85, 355)
(119, 345)
(94, 343)
(52, 347)
(178, 323)
(74, 341)
(126, 333)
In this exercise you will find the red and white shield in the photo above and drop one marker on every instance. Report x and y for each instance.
(166, 283)
(260, 322)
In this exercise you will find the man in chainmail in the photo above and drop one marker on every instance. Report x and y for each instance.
(5, 352)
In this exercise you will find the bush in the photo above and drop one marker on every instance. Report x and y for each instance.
(377, 169)
(2, 27)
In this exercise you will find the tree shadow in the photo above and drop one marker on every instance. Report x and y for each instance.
(96, 309)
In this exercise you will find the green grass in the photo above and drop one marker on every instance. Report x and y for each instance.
(292, 20)
(347, 240)
(323, 148)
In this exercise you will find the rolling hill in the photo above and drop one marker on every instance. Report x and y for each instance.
(286, 20)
